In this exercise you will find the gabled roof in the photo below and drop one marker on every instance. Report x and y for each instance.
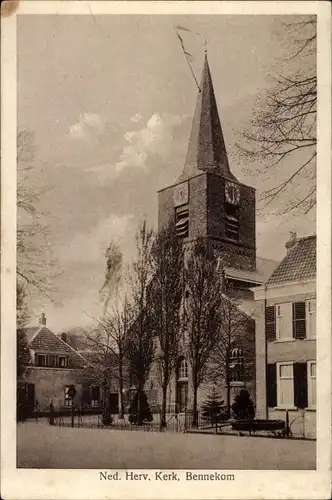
(31, 332)
(43, 340)
(206, 150)
(298, 264)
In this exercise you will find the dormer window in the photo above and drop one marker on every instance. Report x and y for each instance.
(62, 361)
(232, 226)
(51, 360)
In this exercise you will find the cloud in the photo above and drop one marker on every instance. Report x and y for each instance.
(137, 118)
(89, 247)
(155, 138)
(89, 126)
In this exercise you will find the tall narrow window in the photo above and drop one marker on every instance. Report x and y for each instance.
(95, 395)
(284, 321)
(183, 369)
(299, 320)
(232, 226)
(311, 318)
(68, 399)
(236, 365)
(182, 222)
(312, 384)
(285, 391)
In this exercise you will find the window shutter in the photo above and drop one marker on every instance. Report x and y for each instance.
(300, 385)
(271, 388)
(299, 320)
(270, 323)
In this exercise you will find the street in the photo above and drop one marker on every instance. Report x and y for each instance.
(40, 445)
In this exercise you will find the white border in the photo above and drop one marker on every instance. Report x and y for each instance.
(58, 484)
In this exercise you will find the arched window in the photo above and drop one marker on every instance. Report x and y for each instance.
(183, 369)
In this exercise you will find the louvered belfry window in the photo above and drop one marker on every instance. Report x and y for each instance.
(232, 226)
(299, 320)
(182, 222)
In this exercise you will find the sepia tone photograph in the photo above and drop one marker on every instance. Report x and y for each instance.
(166, 274)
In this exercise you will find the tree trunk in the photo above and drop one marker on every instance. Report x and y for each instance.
(228, 398)
(195, 415)
(163, 408)
(121, 402)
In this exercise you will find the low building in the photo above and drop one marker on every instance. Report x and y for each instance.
(285, 310)
(55, 366)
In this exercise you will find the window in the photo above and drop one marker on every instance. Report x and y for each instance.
(232, 226)
(95, 395)
(62, 361)
(236, 366)
(285, 385)
(311, 318)
(312, 384)
(182, 222)
(40, 360)
(51, 360)
(68, 400)
(299, 320)
(284, 321)
(183, 369)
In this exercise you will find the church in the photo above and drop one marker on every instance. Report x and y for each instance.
(209, 202)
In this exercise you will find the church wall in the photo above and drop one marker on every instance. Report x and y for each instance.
(198, 206)
(165, 207)
(247, 218)
(215, 206)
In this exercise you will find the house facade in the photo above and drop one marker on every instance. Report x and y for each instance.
(54, 367)
(285, 310)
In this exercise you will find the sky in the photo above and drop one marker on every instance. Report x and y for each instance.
(110, 100)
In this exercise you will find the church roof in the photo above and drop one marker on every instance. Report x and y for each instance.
(264, 269)
(206, 150)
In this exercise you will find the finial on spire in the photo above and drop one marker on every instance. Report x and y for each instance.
(205, 44)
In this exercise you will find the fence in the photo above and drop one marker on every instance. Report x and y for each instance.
(182, 422)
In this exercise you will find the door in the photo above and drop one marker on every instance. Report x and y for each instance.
(31, 397)
(114, 402)
(182, 393)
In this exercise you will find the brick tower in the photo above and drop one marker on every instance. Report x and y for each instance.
(207, 200)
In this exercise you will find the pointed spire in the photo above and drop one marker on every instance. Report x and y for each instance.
(206, 150)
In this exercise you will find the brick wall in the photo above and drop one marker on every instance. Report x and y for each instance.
(50, 385)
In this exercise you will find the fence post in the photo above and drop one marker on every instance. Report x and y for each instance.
(51, 414)
(72, 413)
(287, 423)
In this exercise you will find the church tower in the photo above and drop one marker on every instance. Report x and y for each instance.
(207, 200)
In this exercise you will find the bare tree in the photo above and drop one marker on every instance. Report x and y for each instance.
(139, 340)
(282, 132)
(108, 342)
(35, 264)
(166, 293)
(203, 281)
(233, 356)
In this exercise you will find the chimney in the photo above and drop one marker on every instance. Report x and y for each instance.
(63, 337)
(42, 319)
(291, 242)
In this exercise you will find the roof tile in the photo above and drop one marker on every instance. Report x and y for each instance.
(299, 262)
